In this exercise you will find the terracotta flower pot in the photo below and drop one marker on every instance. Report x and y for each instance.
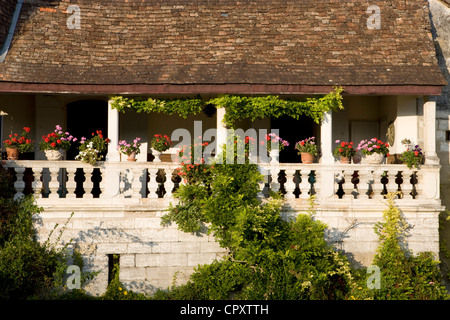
(307, 158)
(132, 157)
(345, 160)
(12, 153)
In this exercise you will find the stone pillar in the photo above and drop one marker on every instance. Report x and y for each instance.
(221, 137)
(113, 133)
(326, 137)
(429, 119)
(111, 173)
(326, 174)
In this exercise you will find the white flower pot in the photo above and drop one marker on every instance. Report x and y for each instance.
(156, 154)
(374, 158)
(54, 155)
(274, 155)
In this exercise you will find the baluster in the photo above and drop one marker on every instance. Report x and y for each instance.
(88, 184)
(19, 184)
(262, 183)
(53, 184)
(71, 184)
(305, 185)
(317, 182)
(169, 185)
(348, 186)
(122, 179)
(274, 184)
(37, 183)
(338, 176)
(392, 186)
(152, 184)
(406, 184)
(364, 184)
(419, 185)
(289, 185)
(136, 183)
(377, 186)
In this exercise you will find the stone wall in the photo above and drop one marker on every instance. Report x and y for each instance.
(154, 257)
(151, 256)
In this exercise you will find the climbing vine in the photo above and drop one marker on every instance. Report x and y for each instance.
(237, 107)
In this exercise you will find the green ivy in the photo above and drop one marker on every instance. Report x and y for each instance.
(180, 107)
(237, 107)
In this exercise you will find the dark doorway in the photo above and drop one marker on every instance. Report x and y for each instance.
(83, 118)
(293, 130)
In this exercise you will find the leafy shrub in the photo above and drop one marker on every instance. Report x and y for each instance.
(269, 257)
(27, 268)
(403, 275)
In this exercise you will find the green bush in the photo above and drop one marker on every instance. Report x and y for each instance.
(268, 257)
(403, 275)
(27, 268)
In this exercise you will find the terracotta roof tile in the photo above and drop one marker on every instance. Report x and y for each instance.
(309, 42)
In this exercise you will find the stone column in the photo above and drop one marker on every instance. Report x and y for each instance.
(113, 133)
(221, 137)
(429, 119)
(326, 173)
(112, 174)
(326, 136)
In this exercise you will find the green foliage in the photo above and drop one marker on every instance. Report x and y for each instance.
(269, 257)
(237, 107)
(404, 276)
(27, 269)
(92, 150)
(413, 157)
(180, 107)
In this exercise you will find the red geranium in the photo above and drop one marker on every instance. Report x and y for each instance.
(20, 142)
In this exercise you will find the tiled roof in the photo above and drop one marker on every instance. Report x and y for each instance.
(288, 42)
(6, 12)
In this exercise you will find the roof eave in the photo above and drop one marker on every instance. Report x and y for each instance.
(189, 89)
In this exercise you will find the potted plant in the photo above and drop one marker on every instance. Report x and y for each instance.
(55, 143)
(374, 150)
(412, 156)
(307, 149)
(17, 144)
(274, 153)
(92, 150)
(159, 144)
(344, 150)
(130, 149)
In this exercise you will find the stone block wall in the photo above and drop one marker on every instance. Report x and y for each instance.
(155, 257)
(151, 256)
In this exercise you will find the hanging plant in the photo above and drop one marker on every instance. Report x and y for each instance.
(237, 107)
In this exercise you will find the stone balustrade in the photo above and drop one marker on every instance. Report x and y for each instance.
(58, 180)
